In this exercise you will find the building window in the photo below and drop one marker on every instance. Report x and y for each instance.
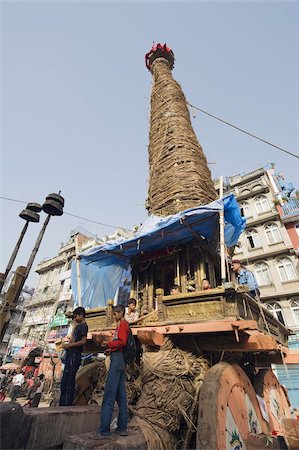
(297, 228)
(245, 210)
(273, 233)
(286, 269)
(261, 271)
(238, 248)
(261, 204)
(253, 239)
(295, 310)
(276, 310)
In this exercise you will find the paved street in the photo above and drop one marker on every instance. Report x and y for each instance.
(23, 401)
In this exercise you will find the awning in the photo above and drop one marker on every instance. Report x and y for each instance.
(10, 366)
(24, 352)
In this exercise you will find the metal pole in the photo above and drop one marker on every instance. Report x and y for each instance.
(14, 254)
(78, 271)
(37, 245)
(221, 226)
(32, 256)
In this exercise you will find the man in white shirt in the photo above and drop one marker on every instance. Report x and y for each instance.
(17, 382)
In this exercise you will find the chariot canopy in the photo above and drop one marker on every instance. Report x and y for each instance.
(102, 267)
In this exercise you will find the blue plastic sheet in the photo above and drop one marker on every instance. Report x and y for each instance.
(101, 267)
(98, 285)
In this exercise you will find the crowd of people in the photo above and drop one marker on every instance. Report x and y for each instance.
(14, 384)
(115, 390)
(31, 386)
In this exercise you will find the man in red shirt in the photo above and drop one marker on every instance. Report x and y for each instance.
(115, 387)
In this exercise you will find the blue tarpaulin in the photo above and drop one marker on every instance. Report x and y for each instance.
(101, 267)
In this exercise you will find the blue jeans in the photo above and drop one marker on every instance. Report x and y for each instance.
(115, 391)
(67, 385)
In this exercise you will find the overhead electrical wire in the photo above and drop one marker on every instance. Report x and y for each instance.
(73, 215)
(204, 112)
(243, 131)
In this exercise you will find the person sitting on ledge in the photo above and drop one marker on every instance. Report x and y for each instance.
(175, 289)
(205, 284)
(131, 314)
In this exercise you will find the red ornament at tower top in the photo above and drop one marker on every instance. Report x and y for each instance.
(159, 51)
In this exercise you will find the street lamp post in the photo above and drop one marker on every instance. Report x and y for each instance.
(53, 206)
(30, 214)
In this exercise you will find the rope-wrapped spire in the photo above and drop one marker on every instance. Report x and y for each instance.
(179, 176)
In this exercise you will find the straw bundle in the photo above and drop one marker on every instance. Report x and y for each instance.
(133, 383)
(171, 381)
(179, 176)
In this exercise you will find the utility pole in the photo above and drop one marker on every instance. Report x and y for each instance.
(221, 223)
(53, 206)
(78, 270)
(30, 214)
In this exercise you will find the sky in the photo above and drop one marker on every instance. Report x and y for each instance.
(75, 99)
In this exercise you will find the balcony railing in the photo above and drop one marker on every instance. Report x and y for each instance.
(48, 264)
(43, 298)
(291, 207)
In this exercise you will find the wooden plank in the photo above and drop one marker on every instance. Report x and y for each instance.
(253, 343)
(291, 357)
(95, 311)
(190, 295)
(200, 327)
(198, 311)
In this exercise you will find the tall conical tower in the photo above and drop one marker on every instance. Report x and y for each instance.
(179, 177)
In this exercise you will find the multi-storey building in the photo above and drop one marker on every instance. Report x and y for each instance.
(11, 342)
(53, 295)
(265, 247)
(53, 291)
(269, 247)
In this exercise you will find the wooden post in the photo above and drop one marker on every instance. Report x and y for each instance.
(109, 315)
(78, 270)
(161, 306)
(177, 279)
(133, 292)
(211, 276)
(197, 271)
(183, 281)
(13, 256)
(144, 294)
(151, 302)
(222, 244)
(202, 270)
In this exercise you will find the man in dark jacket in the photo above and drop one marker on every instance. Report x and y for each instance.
(74, 350)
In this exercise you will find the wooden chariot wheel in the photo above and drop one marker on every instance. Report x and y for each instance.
(275, 398)
(229, 415)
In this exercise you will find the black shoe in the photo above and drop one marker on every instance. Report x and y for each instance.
(103, 436)
(121, 432)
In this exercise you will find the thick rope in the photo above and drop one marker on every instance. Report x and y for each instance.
(179, 177)
(171, 382)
